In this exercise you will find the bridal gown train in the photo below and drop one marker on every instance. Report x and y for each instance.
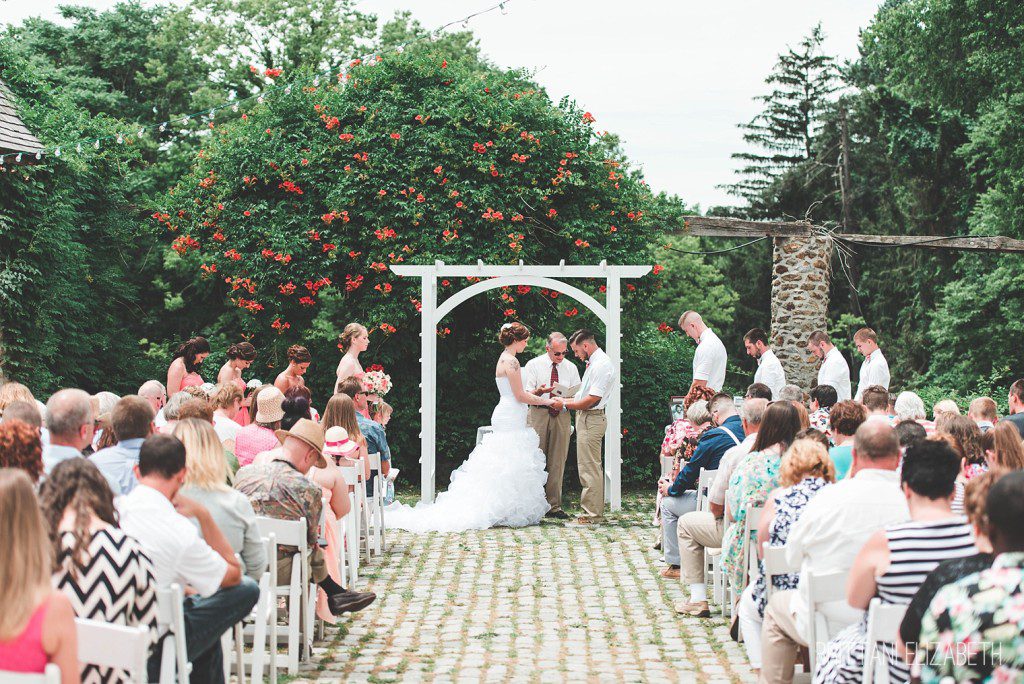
(501, 484)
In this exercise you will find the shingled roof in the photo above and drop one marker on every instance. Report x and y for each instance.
(14, 137)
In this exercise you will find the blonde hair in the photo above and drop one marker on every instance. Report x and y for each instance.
(806, 458)
(26, 550)
(341, 412)
(207, 468)
(946, 406)
(14, 391)
(349, 333)
(226, 394)
(382, 408)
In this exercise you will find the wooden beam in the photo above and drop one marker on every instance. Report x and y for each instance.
(995, 243)
(712, 226)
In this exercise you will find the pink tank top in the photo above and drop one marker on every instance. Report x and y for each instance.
(24, 653)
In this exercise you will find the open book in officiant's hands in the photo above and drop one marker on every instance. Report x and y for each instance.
(560, 390)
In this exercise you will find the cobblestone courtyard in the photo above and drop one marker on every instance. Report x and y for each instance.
(549, 603)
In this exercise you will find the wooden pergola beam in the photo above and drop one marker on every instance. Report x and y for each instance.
(712, 226)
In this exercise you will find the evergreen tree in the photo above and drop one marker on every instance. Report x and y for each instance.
(802, 82)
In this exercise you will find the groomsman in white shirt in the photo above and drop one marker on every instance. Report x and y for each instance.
(710, 358)
(769, 368)
(552, 426)
(589, 404)
(875, 369)
(834, 369)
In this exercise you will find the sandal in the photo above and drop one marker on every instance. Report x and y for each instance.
(697, 609)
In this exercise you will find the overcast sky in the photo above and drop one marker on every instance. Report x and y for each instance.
(671, 77)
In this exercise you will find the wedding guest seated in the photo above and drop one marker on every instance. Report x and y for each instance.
(172, 410)
(341, 412)
(908, 431)
(754, 476)
(11, 392)
(25, 411)
(102, 571)
(376, 439)
(1002, 447)
(679, 497)
(843, 421)
(834, 526)
(280, 489)
(823, 398)
(102, 404)
(206, 481)
(153, 391)
(37, 622)
(201, 561)
(909, 406)
(894, 562)
(967, 443)
(131, 422)
(227, 402)
(805, 469)
(814, 436)
(20, 448)
(977, 614)
(259, 435)
(758, 390)
(944, 410)
(949, 571)
(703, 529)
(791, 393)
(984, 412)
(335, 491)
(381, 413)
(681, 438)
(301, 391)
(70, 422)
(876, 400)
(197, 407)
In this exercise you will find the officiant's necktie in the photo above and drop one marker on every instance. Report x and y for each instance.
(554, 379)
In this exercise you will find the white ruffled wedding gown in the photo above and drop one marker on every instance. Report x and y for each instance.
(501, 484)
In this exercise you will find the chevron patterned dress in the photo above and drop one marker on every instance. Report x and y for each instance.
(115, 585)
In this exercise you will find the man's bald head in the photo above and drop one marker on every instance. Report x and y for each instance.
(876, 445)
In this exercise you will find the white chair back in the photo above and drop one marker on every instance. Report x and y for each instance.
(704, 482)
(883, 626)
(352, 523)
(775, 563)
(51, 675)
(292, 533)
(748, 552)
(821, 588)
(95, 639)
(666, 466)
(376, 505)
(174, 665)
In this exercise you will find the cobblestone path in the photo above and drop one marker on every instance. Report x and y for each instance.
(550, 603)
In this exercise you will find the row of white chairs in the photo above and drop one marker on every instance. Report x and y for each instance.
(252, 645)
(822, 588)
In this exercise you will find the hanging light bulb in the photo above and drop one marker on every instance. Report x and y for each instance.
(39, 155)
(316, 81)
(259, 99)
(501, 6)
(18, 158)
(120, 140)
(56, 152)
(97, 144)
(400, 49)
(163, 127)
(288, 90)
(465, 24)
(184, 119)
(234, 107)
(78, 147)
(141, 132)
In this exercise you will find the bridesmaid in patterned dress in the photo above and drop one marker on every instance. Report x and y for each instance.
(102, 571)
(240, 357)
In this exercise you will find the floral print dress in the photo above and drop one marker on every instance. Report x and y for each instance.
(789, 505)
(974, 628)
(752, 479)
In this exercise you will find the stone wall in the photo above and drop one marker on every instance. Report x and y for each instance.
(801, 268)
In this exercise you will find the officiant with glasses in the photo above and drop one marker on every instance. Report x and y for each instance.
(545, 376)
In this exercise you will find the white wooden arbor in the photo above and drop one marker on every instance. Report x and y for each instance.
(495, 276)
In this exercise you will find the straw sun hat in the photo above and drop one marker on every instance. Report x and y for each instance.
(268, 405)
(309, 432)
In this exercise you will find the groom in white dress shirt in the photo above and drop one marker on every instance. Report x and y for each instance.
(552, 426)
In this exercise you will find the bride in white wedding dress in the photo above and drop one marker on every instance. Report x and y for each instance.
(502, 481)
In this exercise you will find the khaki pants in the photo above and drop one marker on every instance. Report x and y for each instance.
(590, 427)
(697, 531)
(317, 564)
(780, 641)
(554, 442)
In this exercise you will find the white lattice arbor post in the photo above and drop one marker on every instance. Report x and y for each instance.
(495, 276)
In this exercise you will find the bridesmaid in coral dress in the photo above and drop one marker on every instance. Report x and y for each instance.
(240, 357)
(184, 369)
(335, 490)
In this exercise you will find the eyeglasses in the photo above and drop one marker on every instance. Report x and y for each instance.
(561, 353)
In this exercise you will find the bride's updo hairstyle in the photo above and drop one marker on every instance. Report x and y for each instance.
(513, 332)
(348, 334)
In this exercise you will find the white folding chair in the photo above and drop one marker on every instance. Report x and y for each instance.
(883, 627)
(96, 641)
(821, 588)
(264, 619)
(704, 482)
(351, 524)
(174, 665)
(774, 558)
(666, 466)
(364, 539)
(51, 675)
(377, 505)
(292, 533)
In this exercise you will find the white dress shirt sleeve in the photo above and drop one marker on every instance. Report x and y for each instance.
(703, 363)
(601, 379)
(201, 567)
(532, 381)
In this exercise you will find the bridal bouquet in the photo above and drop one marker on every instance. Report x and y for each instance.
(376, 381)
